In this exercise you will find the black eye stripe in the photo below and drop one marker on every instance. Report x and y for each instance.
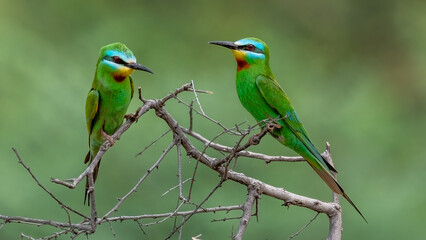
(114, 59)
(250, 48)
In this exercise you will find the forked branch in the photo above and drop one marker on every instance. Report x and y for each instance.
(256, 188)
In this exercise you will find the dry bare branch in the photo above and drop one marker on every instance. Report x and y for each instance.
(177, 213)
(223, 148)
(45, 189)
(121, 200)
(247, 209)
(256, 188)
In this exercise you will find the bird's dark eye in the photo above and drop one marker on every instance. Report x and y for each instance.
(250, 47)
(116, 59)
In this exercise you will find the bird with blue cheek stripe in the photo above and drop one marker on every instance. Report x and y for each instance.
(108, 99)
(264, 98)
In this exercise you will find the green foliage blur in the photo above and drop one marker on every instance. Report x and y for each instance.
(353, 69)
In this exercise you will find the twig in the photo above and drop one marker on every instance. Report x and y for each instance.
(140, 95)
(196, 97)
(179, 156)
(121, 200)
(254, 140)
(172, 214)
(181, 228)
(140, 226)
(78, 234)
(229, 158)
(40, 222)
(167, 217)
(152, 143)
(164, 194)
(226, 219)
(112, 230)
(45, 189)
(195, 210)
(209, 118)
(196, 237)
(2, 224)
(304, 227)
(27, 237)
(249, 154)
(57, 234)
(197, 162)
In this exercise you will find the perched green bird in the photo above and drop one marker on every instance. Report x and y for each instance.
(107, 101)
(264, 98)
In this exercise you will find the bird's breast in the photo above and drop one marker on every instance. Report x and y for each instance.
(252, 100)
(114, 100)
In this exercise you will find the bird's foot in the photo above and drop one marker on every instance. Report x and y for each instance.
(271, 126)
(254, 140)
(108, 137)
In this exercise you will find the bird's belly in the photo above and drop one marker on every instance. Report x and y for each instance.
(114, 108)
(256, 105)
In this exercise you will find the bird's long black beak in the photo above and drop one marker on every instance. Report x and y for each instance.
(226, 44)
(137, 66)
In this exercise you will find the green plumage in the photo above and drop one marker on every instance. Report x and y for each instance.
(263, 97)
(110, 95)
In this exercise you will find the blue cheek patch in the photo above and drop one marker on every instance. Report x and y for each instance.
(113, 66)
(251, 57)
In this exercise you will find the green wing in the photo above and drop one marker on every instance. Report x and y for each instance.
(132, 86)
(92, 106)
(278, 100)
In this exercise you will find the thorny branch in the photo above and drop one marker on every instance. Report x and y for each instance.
(247, 209)
(255, 187)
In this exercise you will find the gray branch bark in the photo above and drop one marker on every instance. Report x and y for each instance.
(255, 186)
(247, 211)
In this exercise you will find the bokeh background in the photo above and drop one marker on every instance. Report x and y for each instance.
(353, 69)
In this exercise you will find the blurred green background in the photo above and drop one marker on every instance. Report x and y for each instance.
(353, 69)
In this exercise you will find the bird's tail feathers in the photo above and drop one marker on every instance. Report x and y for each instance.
(331, 167)
(335, 186)
(353, 205)
(95, 176)
(87, 158)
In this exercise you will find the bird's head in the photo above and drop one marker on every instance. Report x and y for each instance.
(119, 61)
(247, 52)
